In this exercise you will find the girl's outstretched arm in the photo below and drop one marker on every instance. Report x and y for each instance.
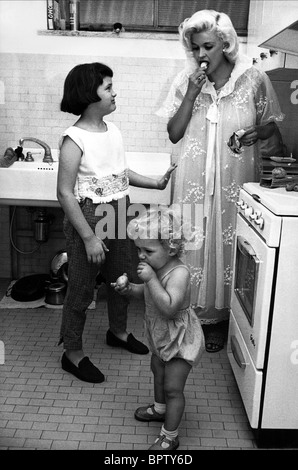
(141, 181)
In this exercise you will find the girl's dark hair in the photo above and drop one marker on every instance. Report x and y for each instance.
(80, 87)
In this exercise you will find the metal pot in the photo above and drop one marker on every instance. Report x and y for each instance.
(55, 293)
(62, 273)
(59, 266)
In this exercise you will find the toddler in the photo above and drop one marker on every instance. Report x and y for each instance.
(173, 330)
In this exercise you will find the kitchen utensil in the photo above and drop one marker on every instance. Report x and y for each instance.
(63, 273)
(283, 159)
(55, 293)
(57, 263)
(234, 141)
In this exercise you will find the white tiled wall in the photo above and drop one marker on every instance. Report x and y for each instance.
(34, 86)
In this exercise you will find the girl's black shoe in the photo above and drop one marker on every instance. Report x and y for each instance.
(132, 344)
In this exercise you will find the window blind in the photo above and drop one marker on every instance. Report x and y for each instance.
(153, 15)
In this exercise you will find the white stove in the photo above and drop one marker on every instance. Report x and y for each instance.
(263, 331)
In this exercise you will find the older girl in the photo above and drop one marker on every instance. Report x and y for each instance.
(93, 173)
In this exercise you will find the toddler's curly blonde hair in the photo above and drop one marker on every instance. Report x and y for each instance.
(160, 223)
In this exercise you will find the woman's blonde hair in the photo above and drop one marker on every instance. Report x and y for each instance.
(211, 20)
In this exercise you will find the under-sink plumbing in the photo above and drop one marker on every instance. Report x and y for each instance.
(41, 225)
(47, 150)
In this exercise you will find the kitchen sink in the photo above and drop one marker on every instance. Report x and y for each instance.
(34, 183)
(31, 183)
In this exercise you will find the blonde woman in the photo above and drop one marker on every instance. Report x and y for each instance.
(217, 94)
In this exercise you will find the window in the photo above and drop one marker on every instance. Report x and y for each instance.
(152, 15)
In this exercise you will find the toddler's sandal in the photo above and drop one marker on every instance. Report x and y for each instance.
(142, 414)
(163, 444)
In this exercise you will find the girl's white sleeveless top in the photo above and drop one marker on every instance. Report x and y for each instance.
(103, 173)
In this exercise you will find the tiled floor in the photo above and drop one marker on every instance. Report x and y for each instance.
(43, 407)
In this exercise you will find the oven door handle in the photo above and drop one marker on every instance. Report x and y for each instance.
(246, 249)
(237, 353)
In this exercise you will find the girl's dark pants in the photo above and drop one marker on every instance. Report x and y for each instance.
(82, 275)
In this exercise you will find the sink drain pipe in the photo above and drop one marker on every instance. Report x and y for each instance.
(41, 226)
(41, 229)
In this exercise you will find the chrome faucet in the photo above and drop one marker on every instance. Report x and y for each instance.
(47, 151)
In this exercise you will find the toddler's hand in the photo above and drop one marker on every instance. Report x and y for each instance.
(163, 181)
(145, 272)
(122, 285)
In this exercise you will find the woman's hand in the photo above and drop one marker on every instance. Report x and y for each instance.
(95, 249)
(122, 285)
(145, 272)
(250, 136)
(163, 181)
(177, 125)
(195, 83)
(253, 133)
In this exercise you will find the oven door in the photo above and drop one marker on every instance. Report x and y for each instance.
(248, 378)
(253, 276)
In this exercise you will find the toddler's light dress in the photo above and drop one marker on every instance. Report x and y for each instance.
(178, 337)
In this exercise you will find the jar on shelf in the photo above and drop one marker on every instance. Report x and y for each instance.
(74, 15)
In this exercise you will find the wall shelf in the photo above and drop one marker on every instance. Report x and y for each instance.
(110, 34)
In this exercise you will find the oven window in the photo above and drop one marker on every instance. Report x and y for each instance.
(246, 277)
